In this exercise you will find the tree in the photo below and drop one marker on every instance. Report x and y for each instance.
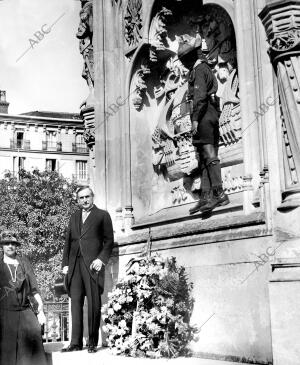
(37, 206)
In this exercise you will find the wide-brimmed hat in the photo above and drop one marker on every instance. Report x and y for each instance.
(8, 237)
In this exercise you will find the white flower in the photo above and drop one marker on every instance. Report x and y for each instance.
(110, 312)
(142, 270)
(117, 307)
(152, 270)
(164, 309)
(122, 323)
(122, 299)
(121, 332)
(104, 308)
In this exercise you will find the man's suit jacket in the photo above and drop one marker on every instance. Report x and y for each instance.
(94, 239)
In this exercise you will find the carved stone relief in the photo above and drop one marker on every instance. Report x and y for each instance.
(282, 25)
(158, 33)
(232, 183)
(133, 22)
(85, 36)
(116, 2)
(163, 76)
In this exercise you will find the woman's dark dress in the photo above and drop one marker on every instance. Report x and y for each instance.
(20, 332)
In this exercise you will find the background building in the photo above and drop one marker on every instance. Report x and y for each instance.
(43, 140)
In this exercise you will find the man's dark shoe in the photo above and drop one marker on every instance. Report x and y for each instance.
(72, 348)
(204, 198)
(92, 349)
(219, 198)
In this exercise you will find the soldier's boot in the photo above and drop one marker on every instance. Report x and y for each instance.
(218, 198)
(205, 196)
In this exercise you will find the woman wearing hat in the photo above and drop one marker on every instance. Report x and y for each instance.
(202, 88)
(20, 330)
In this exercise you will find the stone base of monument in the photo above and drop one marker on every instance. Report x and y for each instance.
(104, 357)
(285, 311)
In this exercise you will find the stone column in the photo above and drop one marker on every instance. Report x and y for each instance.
(251, 97)
(100, 123)
(281, 20)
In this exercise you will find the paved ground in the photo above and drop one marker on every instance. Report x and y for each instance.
(104, 357)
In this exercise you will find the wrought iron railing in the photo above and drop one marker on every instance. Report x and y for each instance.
(81, 179)
(79, 147)
(56, 328)
(20, 144)
(50, 146)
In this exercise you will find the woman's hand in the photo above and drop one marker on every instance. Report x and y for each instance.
(41, 318)
(38, 298)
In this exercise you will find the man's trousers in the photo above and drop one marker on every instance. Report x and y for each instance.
(83, 285)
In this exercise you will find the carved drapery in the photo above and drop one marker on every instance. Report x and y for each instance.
(282, 24)
(161, 78)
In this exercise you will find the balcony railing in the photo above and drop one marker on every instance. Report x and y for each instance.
(51, 146)
(20, 144)
(79, 147)
(81, 179)
(47, 146)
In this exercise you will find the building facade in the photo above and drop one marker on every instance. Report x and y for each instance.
(244, 259)
(43, 140)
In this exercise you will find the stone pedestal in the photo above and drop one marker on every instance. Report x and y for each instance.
(285, 311)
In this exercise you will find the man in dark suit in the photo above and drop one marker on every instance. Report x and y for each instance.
(202, 88)
(88, 245)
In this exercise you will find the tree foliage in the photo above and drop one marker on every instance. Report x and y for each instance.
(37, 206)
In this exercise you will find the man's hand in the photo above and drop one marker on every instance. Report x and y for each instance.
(96, 265)
(65, 270)
(194, 127)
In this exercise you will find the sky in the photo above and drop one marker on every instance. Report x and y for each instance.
(48, 76)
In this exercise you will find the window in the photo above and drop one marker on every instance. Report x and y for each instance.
(50, 164)
(80, 145)
(79, 139)
(51, 140)
(19, 139)
(81, 170)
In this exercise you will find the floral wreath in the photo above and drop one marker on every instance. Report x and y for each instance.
(148, 313)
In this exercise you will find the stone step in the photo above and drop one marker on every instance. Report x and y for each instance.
(104, 357)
